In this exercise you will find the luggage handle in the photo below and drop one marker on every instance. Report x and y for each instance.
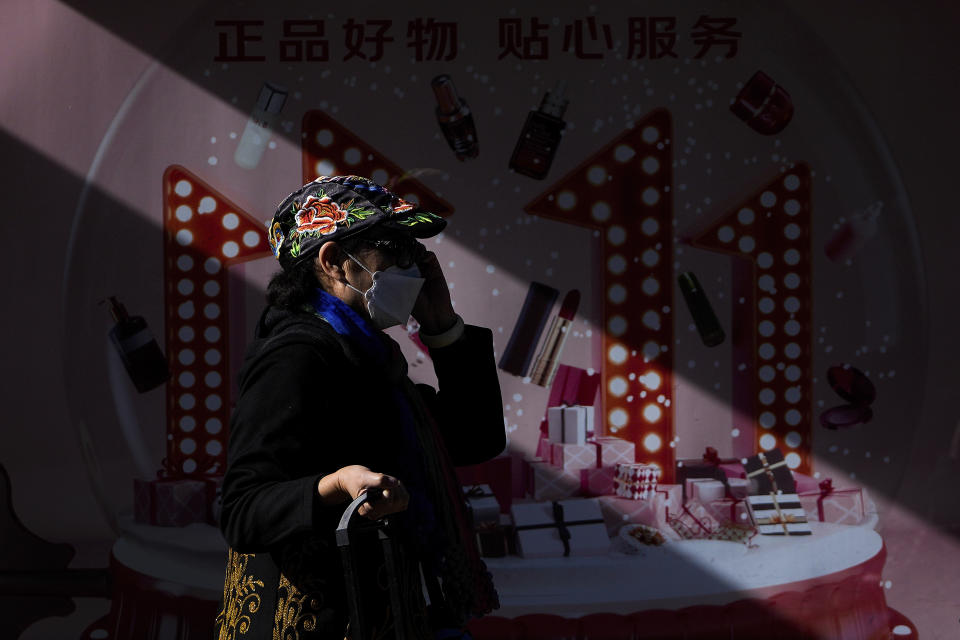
(351, 522)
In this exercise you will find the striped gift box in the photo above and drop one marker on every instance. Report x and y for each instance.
(779, 514)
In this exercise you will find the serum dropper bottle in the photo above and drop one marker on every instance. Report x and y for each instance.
(541, 135)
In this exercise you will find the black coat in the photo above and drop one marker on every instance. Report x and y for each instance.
(311, 402)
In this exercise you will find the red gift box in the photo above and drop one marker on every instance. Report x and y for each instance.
(498, 473)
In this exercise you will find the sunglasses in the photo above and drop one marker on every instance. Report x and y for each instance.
(407, 251)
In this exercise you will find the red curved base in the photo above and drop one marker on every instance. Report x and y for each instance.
(854, 609)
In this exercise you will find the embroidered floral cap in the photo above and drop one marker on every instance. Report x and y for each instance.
(340, 207)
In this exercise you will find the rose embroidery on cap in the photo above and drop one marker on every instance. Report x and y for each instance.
(319, 214)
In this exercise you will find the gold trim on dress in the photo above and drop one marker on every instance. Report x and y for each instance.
(290, 618)
(239, 594)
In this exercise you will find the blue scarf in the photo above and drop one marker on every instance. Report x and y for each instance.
(419, 520)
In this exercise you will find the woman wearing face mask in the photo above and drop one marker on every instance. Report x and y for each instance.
(326, 412)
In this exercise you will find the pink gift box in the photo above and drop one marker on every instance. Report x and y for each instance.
(620, 511)
(672, 495)
(733, 511)
(168, 502)
(547, 482)
(805, 483)
(840, 506)
(612, 450)
(733, 470)
(597, 481)
(573, 457)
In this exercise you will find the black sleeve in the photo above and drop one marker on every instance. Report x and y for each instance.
(266, 498)
(468, 406)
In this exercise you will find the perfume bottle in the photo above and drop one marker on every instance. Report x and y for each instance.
(139, 351)
(541, 134)
(257, 132)
(708, 325)
(455, 118)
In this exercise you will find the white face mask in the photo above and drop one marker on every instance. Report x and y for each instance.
(391, 297)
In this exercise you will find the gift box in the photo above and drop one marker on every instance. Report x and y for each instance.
(569, 424)
(493, 539)
(638, 472)
(805, 483)
(693, 522)
(500, 474)
(697, 468)
(579, 387)
(705, 490)
(635, 480)
(544, 447)
(731, 467)
(573, 457)
(612, 450)
(838, 506)
(728, 511)
(170, 502)
(672, 495)
(778, 514)
(738, 488)
(769, 471)
(482, 504)
(547, 482)
(560, 528)
(597, 481)
(620, 511)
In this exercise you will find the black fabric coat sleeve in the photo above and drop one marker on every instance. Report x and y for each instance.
(468, 406)
(268, 495)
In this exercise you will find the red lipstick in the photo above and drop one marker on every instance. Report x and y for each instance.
(546, 365)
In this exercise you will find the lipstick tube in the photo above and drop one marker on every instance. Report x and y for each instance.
(546, 364)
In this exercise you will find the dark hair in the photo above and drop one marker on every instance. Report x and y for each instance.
(295, 288)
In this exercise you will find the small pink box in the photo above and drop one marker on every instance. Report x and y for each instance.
(612, 450)
(597, 481)
(573, 457)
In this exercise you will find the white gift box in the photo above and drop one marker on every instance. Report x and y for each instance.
(542, 526)
(569, 424)
(706, 490)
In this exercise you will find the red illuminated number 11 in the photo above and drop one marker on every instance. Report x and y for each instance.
(623, 191)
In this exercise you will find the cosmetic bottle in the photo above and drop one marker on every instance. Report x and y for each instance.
(139, 351)
(541, 135)
(257, 132)
(455, 118)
